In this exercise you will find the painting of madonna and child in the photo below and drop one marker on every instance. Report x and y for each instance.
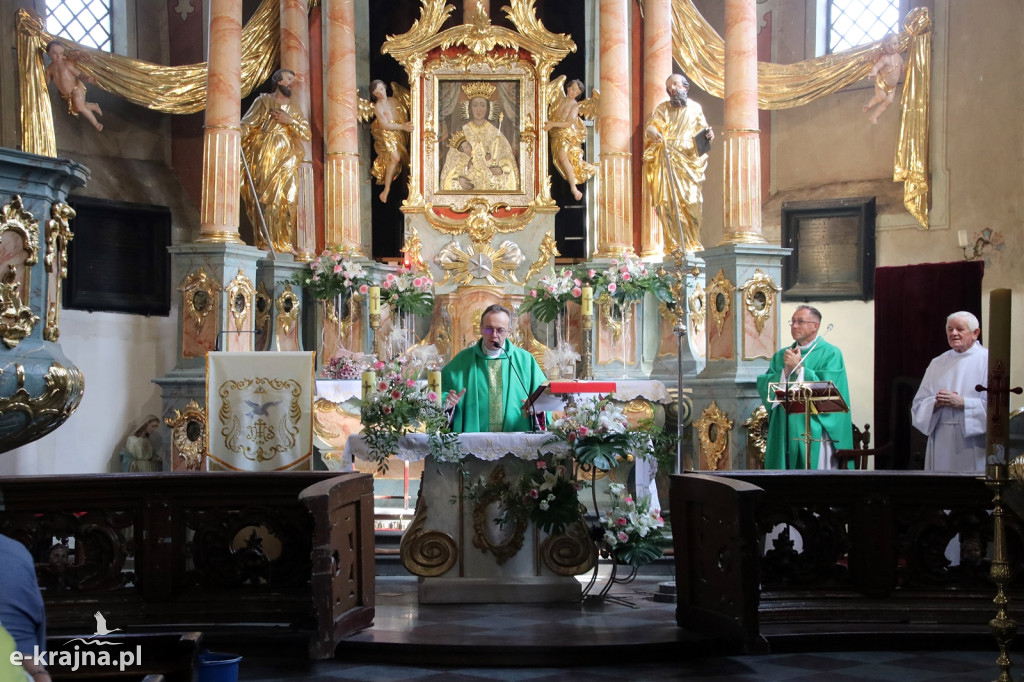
(478, 141)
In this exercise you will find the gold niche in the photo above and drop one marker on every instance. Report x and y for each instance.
(240, 299)
(288, 305)
(199, 296)
(188, 437)
(719, 298)
(759, 296)
(713, 429)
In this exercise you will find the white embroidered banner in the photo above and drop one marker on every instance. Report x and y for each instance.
(260, 410)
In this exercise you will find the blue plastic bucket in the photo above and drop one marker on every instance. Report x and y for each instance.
(216, 667)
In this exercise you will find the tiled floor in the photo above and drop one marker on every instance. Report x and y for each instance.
(636, 639)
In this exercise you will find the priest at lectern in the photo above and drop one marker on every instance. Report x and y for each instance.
(486, 384)
(809, 359)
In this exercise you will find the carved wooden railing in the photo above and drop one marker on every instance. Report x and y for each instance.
(870, 556)
(172, 549)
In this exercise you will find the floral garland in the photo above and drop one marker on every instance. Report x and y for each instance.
(348, 367)
(333, 275)
(633, 532)
(548, 495)
(399, 406)
(408, 293)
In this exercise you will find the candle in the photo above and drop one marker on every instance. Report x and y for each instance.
(587, 301)
(369, 383)
(998, 341)
(375, 300)
(434, 383)
(961, 239)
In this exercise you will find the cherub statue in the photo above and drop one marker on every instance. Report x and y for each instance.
(390, 130)
(886, 72)
(568, 132)
(68, 77)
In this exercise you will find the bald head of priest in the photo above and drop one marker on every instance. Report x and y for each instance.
(486, 384)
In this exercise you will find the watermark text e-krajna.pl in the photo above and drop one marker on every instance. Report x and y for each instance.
(77, 658)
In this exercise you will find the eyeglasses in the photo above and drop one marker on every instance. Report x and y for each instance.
(796, 322)
(491, 331)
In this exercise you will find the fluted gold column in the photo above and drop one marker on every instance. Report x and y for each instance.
(295, 56)
(615, 199)
(657, 68)
(222, 134)
(341, 167)
(742, 185)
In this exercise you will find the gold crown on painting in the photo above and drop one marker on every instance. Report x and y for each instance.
(455, 140)
(479, 89)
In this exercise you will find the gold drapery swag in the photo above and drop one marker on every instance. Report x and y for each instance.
(700, 51)
(170, 89)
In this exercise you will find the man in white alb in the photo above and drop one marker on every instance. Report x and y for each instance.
(947, 408)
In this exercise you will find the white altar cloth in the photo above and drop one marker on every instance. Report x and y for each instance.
(486, 446)
(650, 390)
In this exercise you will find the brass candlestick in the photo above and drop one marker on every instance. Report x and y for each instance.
(374, 340)
(587, 324)
(1004, 628)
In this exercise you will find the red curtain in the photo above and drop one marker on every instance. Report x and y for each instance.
(911, 305)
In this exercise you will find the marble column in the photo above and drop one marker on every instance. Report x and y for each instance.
(295, 56)
(222, 135)
(742, 147)
(341, 167)
(657, 68)
(615, 199)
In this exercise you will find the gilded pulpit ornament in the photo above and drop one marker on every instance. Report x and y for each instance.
(474, 262)
(198, 295)
(719, 298)
(58, 235)
(759, 296)
(240, 299)
(188, 437)
(62, 392)
(757, 433)
(511, 534)
(19, 249)
(713, 429)
(288, 305)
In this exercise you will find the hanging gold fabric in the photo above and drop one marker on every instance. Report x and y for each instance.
(699, 49)
(170, 89)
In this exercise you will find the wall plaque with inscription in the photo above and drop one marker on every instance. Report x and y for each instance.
(118, 259)
(833, 249)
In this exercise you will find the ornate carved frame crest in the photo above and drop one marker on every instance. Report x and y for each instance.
(240, 299)
(760, 294)
(18, 254)
(511, 68)
(719, 299)
(713, 429)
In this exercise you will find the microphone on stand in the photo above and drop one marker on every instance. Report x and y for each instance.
(533, 412)
(803, 356)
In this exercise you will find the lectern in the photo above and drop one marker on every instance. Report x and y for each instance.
(809, 397)
(554, 396)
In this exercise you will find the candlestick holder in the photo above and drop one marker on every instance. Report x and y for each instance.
(375, 337)
(1004, 628)
(587, 354)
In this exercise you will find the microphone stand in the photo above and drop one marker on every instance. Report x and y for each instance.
(533, 411)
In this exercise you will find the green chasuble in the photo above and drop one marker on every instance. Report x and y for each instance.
(494, 393)
(824, 362)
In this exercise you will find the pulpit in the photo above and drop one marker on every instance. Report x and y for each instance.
(455, 546)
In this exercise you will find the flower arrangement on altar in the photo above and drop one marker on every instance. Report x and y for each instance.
(407, 292)
(631, 531)
(398, 405)
(626, 281)
(334, 275)
(547, 495)
(599, 434)
(346, 366)
(547, 301)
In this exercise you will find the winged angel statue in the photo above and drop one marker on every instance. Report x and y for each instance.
(390, 129)
(568, 132)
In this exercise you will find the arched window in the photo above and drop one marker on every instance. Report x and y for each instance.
(94, 23)
(858, 22)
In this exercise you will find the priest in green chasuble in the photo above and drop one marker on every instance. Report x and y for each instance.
(810, 358)
(487, 383)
